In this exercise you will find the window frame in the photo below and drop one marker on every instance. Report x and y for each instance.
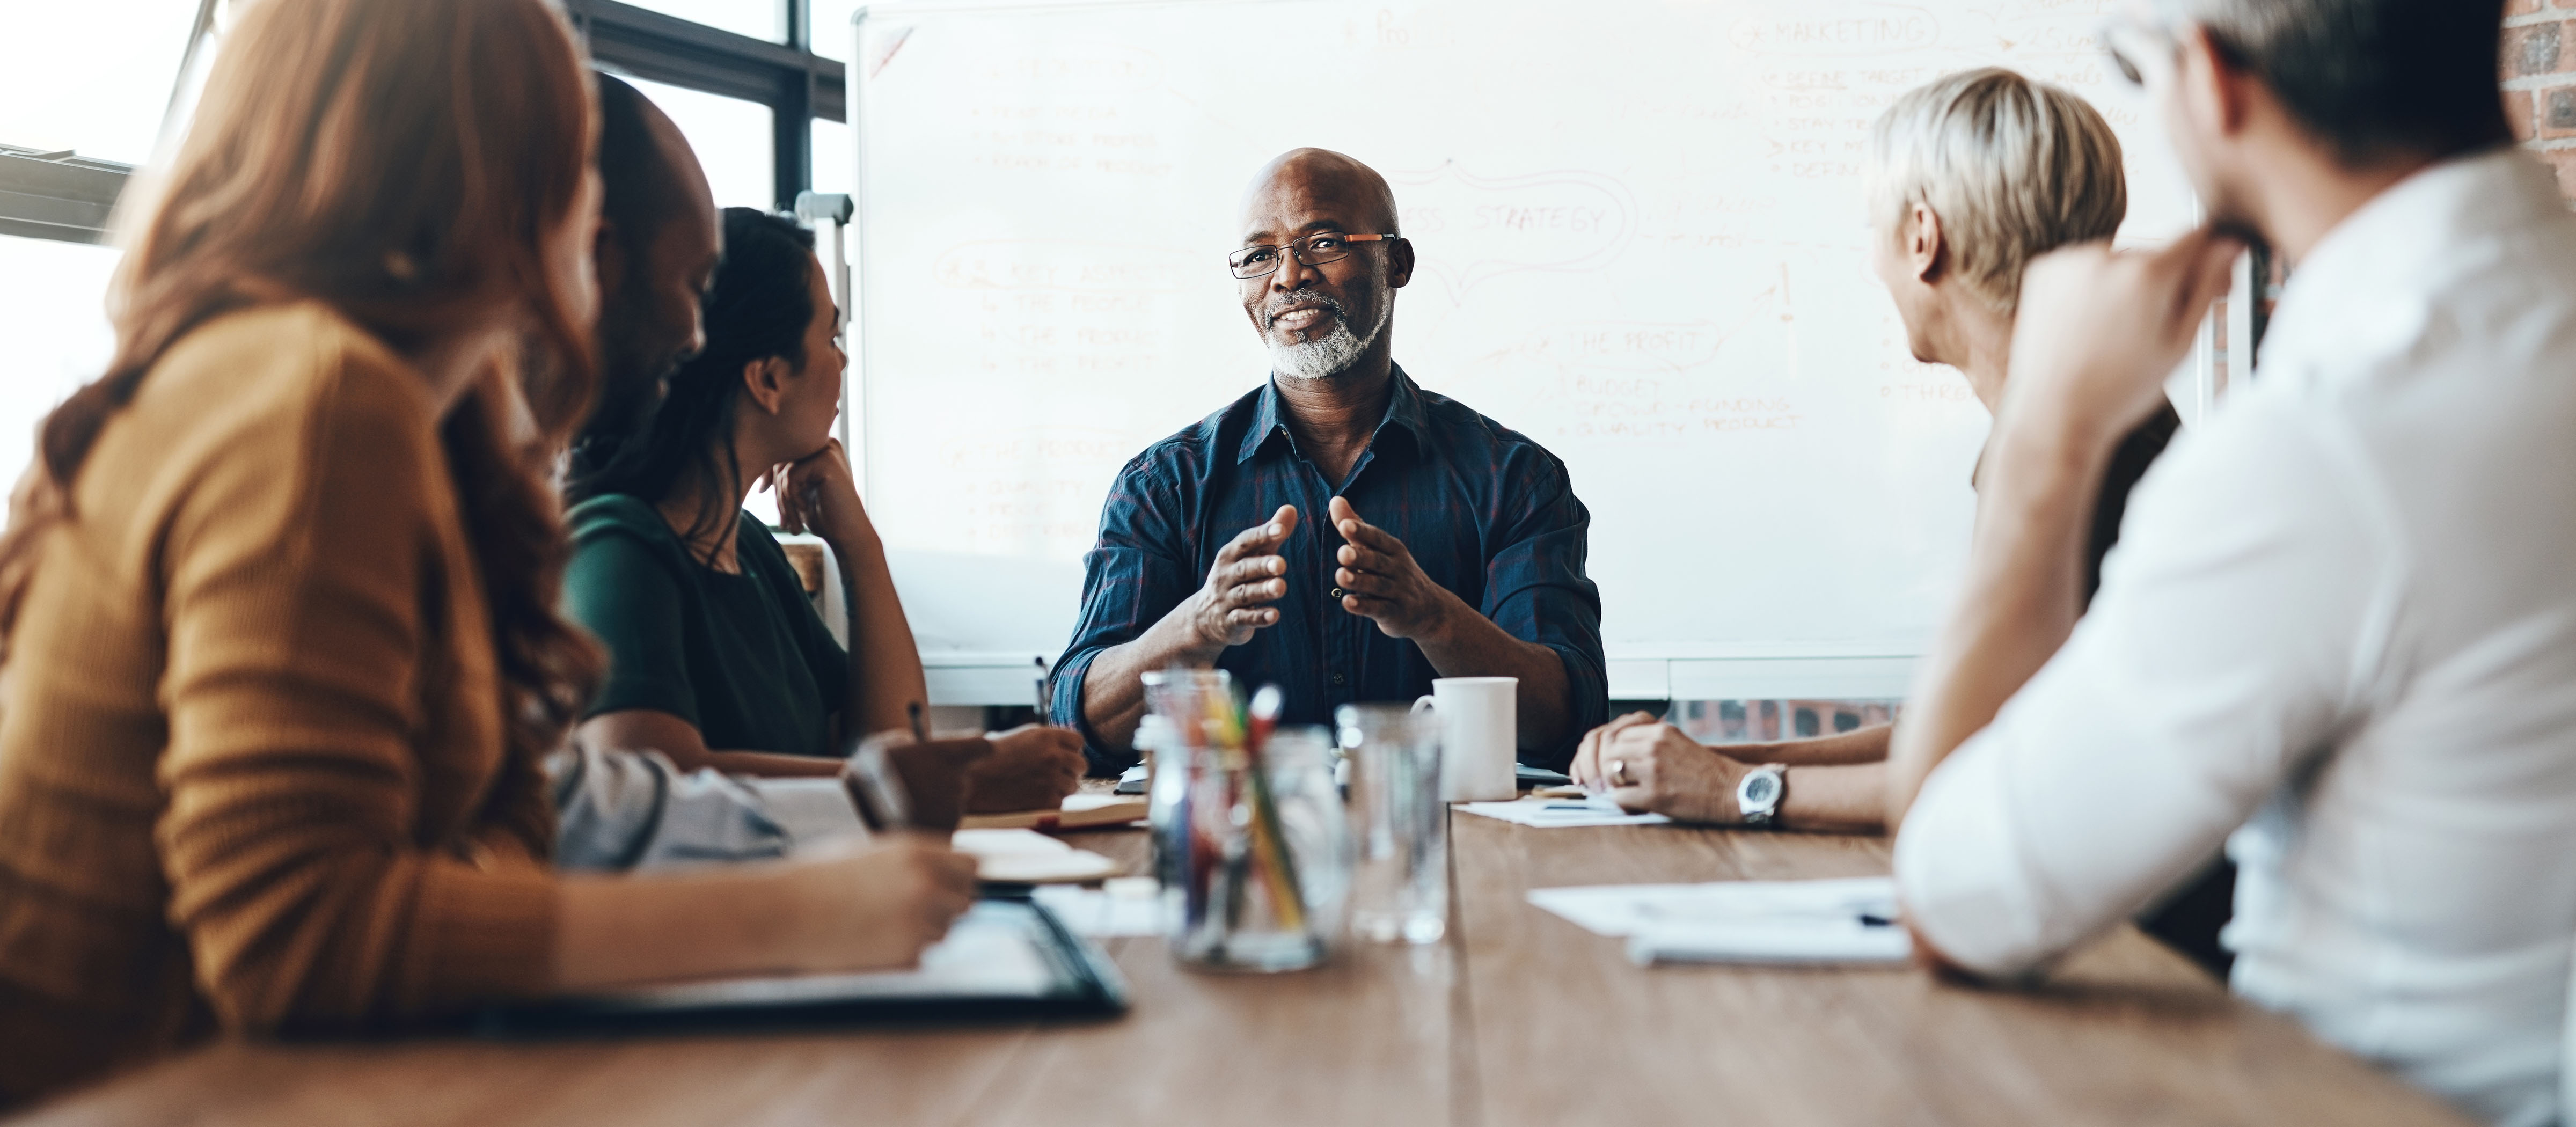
(797, 85)
(67, 197)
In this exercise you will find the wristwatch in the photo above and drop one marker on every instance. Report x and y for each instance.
(1758, 797)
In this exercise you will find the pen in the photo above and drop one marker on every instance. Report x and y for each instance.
(1046, 688)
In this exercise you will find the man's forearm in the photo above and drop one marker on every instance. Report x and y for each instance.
(1468, 644)
(1113, 692)
(2023, 592)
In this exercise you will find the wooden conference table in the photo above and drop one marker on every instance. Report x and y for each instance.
(1519, 1018)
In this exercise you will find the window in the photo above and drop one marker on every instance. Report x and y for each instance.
(53, 329)
(93, 77)
(733, 139)
(836, 161)
(1761, 721)
(97, 78)
(759, 19)
(829, 33)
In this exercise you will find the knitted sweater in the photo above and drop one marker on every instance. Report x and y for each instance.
(252, 769)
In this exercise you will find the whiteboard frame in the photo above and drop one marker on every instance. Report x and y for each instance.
(1001, 677)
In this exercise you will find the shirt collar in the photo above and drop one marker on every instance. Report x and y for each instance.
(2408, 242)
(1404, 410)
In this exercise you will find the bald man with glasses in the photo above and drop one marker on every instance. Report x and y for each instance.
(1338, 531)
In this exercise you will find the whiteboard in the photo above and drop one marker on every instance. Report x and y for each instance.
(1641, 233)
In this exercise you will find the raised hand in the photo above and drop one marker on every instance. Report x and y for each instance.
(1249, 574)
(1381, 582)
(816, 494)
(2100, 329)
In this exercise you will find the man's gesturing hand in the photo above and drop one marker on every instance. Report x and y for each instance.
(1380, 581)
(1249, 574)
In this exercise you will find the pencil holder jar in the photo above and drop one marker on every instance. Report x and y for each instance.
(1249, 839)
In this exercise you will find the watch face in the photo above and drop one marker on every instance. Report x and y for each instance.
(1762, 789)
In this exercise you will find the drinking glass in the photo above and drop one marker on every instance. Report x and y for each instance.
(1400, 879)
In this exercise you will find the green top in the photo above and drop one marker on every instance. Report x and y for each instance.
(742, 657)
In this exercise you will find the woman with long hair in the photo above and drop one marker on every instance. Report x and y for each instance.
(716, 657)
(281, 647)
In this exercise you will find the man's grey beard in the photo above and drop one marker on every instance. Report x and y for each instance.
(1336, 352)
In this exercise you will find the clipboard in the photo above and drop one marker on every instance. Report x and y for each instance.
(1006, 959)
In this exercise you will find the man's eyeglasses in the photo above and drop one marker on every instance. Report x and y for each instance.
(1313, 250)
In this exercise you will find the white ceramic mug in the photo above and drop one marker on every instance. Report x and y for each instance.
(1479, 736)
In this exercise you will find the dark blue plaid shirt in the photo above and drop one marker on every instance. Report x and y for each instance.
(1486, 512)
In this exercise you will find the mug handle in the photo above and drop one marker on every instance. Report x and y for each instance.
(1420, 703)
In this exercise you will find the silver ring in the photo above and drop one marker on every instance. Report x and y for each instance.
(1619, 773)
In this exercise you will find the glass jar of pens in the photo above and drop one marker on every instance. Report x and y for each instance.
(1249, 837)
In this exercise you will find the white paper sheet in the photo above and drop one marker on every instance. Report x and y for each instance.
(1029, 857)
(1562, 813)
(812, 811)
(1794, 943)
(1809, 921)
(1105, 914)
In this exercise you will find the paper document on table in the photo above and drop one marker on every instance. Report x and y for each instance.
(1809, 921)
(1029, 857)
(1129, 906)
(1562, 813)
(810, 810)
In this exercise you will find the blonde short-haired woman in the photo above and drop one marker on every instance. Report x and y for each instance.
(1970, 177)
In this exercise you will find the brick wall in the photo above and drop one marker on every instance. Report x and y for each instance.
(2539, 68)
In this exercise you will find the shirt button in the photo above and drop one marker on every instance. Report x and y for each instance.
(1337, 678)
(1337, 592)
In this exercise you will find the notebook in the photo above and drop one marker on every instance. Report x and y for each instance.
(1005, 959)
(1080, 811)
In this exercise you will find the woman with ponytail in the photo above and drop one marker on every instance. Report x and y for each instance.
(716, 657)
(282, 652)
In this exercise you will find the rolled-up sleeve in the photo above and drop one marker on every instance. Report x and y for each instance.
(2249, 601)
(1131, 579)
(1537, 591)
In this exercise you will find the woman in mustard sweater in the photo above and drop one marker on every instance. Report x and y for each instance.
(282, 653)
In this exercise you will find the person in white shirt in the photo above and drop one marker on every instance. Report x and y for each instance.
(1971, 175)
(2339, 633)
